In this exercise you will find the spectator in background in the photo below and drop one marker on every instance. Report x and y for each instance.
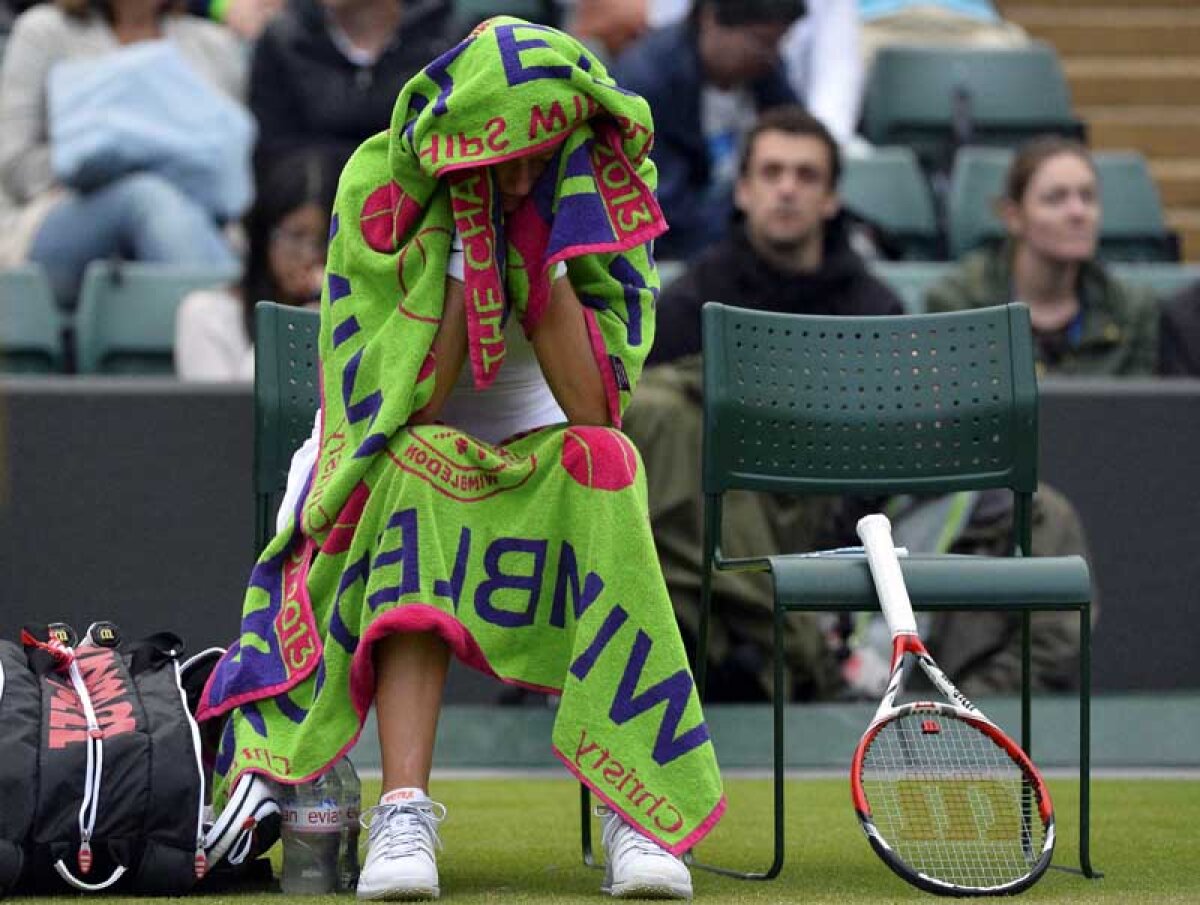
(286, 232)
(961, 23)
(1179, 350)
(791, 255)
(1084, 321)
(137, 214)
(820, 51)
(326, 72)
(705, 78)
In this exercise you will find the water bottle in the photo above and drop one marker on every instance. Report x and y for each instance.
(312, 836)
(348, 862)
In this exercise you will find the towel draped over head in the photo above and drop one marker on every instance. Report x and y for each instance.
(532, 559)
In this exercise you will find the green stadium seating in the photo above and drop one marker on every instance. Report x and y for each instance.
(1133, 228)
(30, 331)
(911, 279)
(915, 96)
(1164, 280)
(773, 424)
(888, 189)
(286, 397)
(126, 318)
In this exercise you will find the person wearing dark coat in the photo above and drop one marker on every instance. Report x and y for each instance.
(791, 253)
(326, 73)
(704, 79)
(1179, 335)
(734, 272)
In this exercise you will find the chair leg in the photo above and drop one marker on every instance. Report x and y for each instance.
(585, 827)
(777, 714)
(1026, 684)
(1085, 744)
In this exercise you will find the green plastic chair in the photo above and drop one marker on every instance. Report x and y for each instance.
(126, 318)
(1133, 228)
(873, 406)
(911, 280)
(286, 396)
(915, 95)
(30, 340)
(888, 188)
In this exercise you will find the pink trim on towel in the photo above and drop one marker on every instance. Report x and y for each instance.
(678, 848)
(418, 617)
(600, 353)
(346, 523)
(448, 168)
(296, 577)
(484, 288)
(530, 235)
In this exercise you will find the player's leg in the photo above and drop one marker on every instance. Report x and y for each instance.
(410, 674)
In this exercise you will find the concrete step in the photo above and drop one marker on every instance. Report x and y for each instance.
(1015, 10)
(1134, 80)
(1156, 131)
(1178, 181)
(1109, 31)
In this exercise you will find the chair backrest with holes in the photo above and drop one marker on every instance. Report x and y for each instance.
(286, 396)
(925, 403)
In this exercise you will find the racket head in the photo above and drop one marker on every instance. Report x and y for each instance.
(950, 803)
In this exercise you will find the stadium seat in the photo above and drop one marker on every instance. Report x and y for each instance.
(934, 99)
(30, 338)
(1164, 280)
(870, 429)
(286, 397)
(911, 279)
(1133, 228)
(888, 189)
(126, 318)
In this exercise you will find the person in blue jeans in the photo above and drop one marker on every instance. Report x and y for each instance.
(138, 215)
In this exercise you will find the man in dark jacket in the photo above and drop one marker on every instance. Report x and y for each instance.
(327, 72)
(791, 251)
(704, 79)
(791, 254)
(1179, 335)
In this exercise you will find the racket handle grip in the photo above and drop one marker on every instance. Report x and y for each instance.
(875, 531)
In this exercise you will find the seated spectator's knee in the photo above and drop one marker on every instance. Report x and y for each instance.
(149, 195)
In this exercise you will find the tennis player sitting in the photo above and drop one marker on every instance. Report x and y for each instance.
(488, 304)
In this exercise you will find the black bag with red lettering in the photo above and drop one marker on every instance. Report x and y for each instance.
(102, 776)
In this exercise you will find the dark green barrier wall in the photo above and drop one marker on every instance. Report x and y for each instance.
(131, 500)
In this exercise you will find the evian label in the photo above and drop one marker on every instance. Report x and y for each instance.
(318, 818)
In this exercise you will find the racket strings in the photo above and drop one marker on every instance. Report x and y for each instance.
(951, 802)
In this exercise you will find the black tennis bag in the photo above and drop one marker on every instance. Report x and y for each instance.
(102, 770)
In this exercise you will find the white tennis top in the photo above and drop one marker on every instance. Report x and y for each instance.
(519, 399)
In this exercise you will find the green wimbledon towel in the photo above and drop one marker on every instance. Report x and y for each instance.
(532, 558)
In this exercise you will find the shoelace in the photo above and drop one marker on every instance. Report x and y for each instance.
(396, 829)
(614, 826)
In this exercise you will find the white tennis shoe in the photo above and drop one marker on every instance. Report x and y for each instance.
(636, 866)
(401, 865)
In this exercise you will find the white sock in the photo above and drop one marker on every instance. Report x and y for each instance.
(402, 795)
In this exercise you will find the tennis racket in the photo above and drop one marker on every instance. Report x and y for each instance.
(947, 800)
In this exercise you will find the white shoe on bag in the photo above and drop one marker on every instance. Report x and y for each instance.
(401, 865)
(638, 867)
